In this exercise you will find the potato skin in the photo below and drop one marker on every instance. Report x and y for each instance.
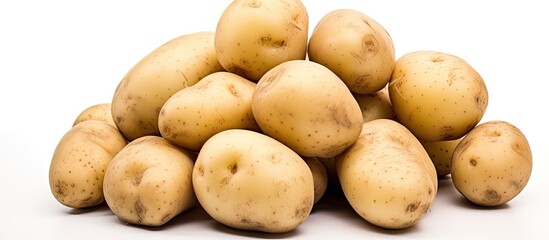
(218, 102)
(308, 108)
(101, 112)
(375, 106)
(249, 181)
(355, 47)
(320, 176)
(492, 164)
(387, 176)
(441, 153)
(149, 182)
(177, 64)
(438, 96)
(279, 33)
(79, 162)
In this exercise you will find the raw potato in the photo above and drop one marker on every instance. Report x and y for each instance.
(218, 102)
(441, 154)
(436, 95)
(387, 176)
(375, 106)
(249, 181)
(101, 112)
(492, 164)
(149, 182)
(308, 108)
(142, 92)
(78, 164)
(254, 36)
(356, 48)
(320, 176)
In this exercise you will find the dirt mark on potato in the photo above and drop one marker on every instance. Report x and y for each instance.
(491, 196)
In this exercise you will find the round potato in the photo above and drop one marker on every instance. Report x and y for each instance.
(375, 106)
(78, 164)
(387, 176)
(218, 102)
(441, 154)
(179, 63)
(149, 182)
(308, 108)
(492, 164)
(254, 36)
(101, 112)
(320, 176)
(436, 95)
(249, 181)
(355, 47)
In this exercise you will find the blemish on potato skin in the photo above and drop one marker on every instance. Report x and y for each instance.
(491, 197)
(140, 210)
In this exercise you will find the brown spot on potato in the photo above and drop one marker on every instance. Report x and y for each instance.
(140, 210)
(518, 148)
(268, 42)
(412, 207)
(340, 116)
(233, 90)
(233, 168)
(270, 79)
(481, 101)
(60, 188)
(473, 162)
(370, 46)
(200, 170)
(491, 197)
(492, 133)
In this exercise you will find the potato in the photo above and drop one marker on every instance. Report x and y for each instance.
(440, 153)
(492, 164)
(252, 36)
(320, 176)
(218, 102)
(375, 106)
(387, 176)
(308, 108)
(177, 64)
(149, 182)
(436, 95)
(356, 48)
(101, 112)
(249, 181)
(78, 164)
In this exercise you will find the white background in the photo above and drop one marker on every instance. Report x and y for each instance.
(59, 57)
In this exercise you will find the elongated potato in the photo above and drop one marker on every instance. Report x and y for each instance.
(177, 64)
(79, 162)
(387, 176)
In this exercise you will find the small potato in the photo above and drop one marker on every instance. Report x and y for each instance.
(249, 181)
(218, 102)
(441, 154)
(355, 47)
(101, 112)
(254, 36)
(308, 108)
(436, 95)
(177, 64)
(78, 164)
(492, 164)
(320, 176)
(375, 106)
(149, 182)
(387, 176)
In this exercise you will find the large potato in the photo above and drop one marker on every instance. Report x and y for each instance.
(436, 95)
(142, 92)
(387, 176)
(149, 182)
(250, 181)
(101, 112)
(355, 47)
(492, 164)
(218, 102)
(78, 164)
(308, 108)
(254, 36)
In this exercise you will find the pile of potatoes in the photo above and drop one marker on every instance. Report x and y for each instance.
(254, 122)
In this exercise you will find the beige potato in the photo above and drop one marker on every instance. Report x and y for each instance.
(436, 95)
(252, 36)
(387, 176)
(492, 164)
(249, 181)
(308, 108)
(440, 153)
(218, 102)
(376, 105)
(320, 176)
(355, 47)
(179, 63)
(78, 164)
(149, 182)
(101, 112)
